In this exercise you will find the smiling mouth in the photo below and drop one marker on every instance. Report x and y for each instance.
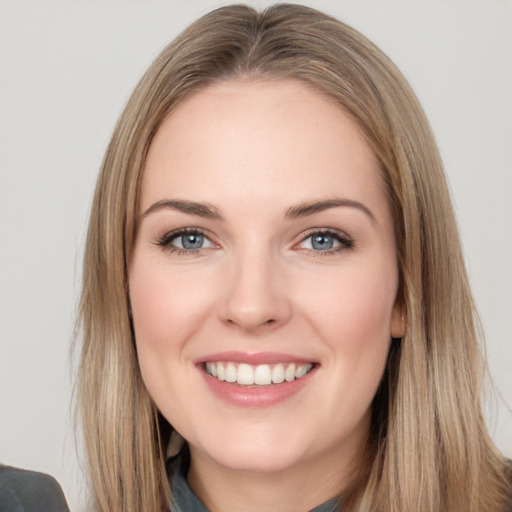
(257, 375)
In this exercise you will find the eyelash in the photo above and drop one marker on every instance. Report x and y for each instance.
(165, 241)
(344, 240)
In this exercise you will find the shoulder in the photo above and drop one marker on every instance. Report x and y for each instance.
(29, 491)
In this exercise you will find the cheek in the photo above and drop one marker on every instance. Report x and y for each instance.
(164, 319)
(159, 313)
(356, 306)
(353, 314)
(169, 307)
(165, 306)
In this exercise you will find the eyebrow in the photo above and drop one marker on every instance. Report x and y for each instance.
(191, 207)
(310, 208)
(209, 211)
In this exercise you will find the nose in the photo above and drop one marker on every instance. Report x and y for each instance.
(255, 297)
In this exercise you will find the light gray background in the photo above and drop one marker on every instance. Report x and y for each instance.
(66, 70)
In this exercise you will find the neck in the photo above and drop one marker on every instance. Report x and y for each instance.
(299, 488)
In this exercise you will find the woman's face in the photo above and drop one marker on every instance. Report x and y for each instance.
(264, 277)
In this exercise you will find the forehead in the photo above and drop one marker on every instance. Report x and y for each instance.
(249, 140)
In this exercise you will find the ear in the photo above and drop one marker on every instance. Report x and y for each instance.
(398, 326)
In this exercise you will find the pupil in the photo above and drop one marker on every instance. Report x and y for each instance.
(322, 242)
(192, 241)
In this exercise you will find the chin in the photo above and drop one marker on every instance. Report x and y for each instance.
(255, 450)
(245, 460)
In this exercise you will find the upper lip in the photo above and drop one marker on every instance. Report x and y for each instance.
(253, 358)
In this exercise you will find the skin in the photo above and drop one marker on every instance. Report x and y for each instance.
(253, 150)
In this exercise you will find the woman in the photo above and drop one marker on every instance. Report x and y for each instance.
(273, 271)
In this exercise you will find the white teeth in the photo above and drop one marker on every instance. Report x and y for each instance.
(260, 375)
(278, 374)
(231, 373)
(263, 375)
(289, 373)
(245, 374)
(300, 371)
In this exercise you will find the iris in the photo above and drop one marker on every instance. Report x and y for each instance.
(322, 242)
(192, 241)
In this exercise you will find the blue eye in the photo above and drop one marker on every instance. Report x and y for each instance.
(191, 241)
(321, 242)
(185, 240)
(326, 241)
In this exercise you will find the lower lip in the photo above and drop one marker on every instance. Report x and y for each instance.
(255, 396)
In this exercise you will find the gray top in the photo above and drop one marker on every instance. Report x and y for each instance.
(29, 491)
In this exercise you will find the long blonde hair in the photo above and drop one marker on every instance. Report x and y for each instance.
(429, 446)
